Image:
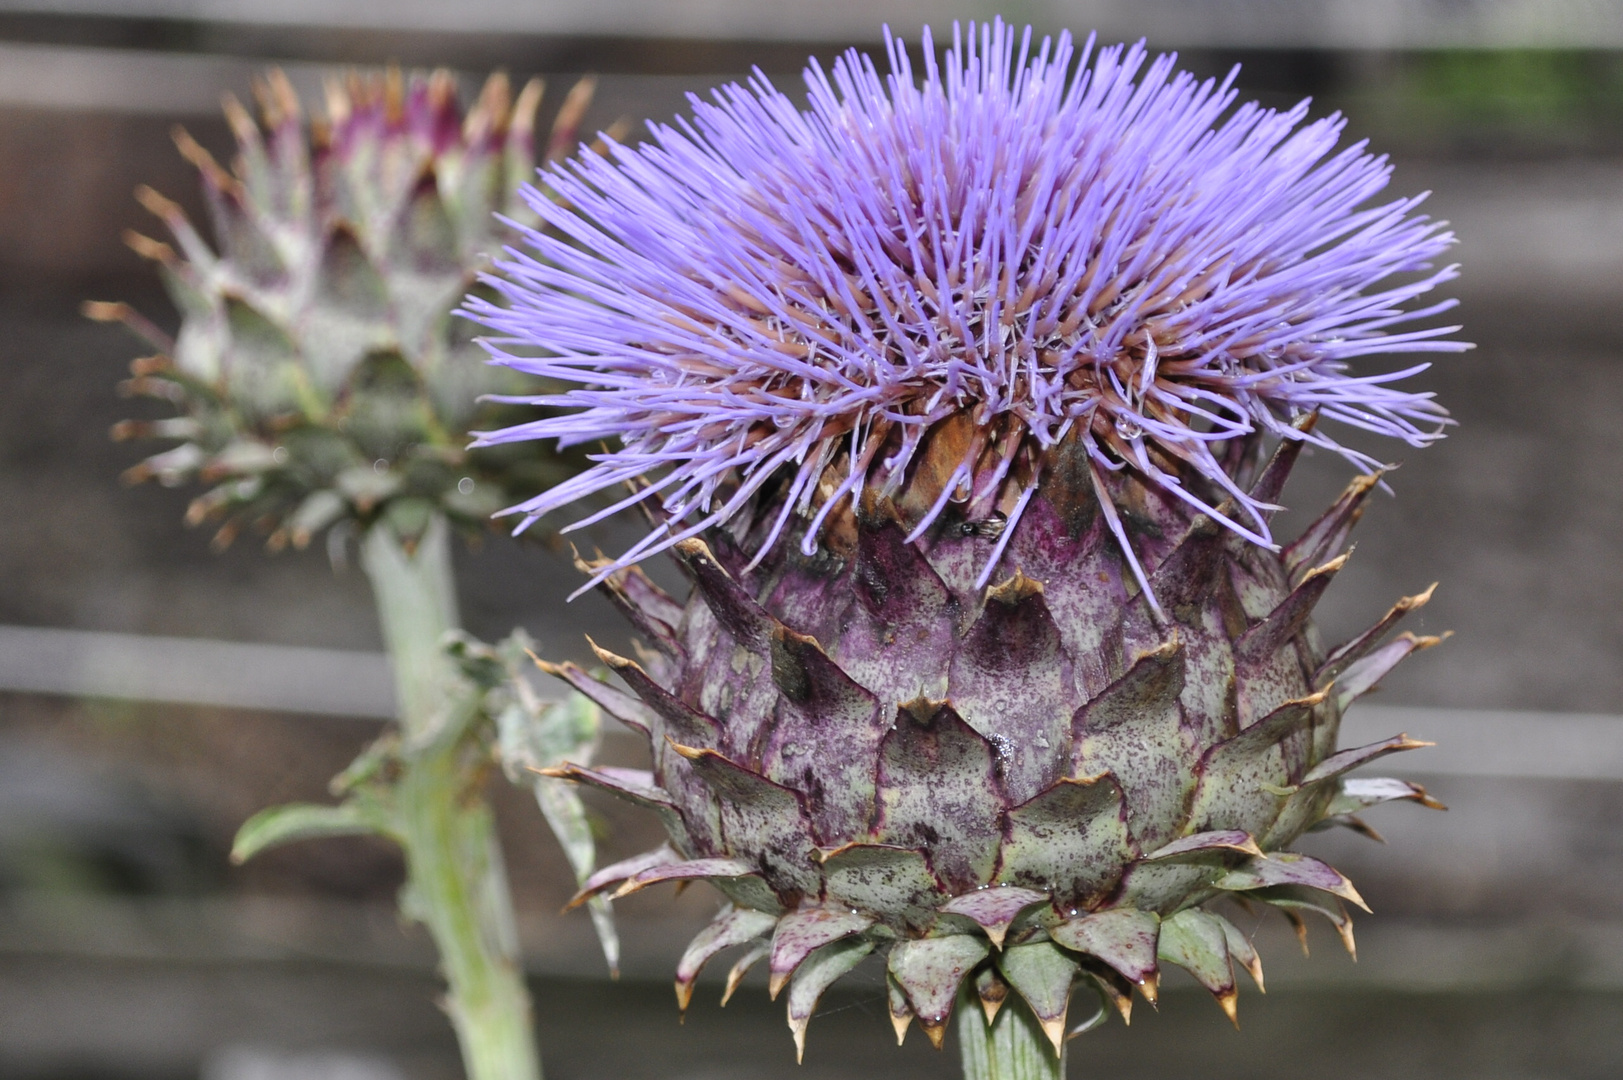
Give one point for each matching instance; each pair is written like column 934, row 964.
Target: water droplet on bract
column 279, row 455
column 380, row 466
column 465, row 485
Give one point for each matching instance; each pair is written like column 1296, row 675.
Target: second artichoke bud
column 320, row 372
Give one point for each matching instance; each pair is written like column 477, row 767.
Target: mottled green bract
column 320, row 373
column 1007, row 791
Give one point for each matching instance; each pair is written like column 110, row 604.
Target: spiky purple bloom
column 1055, row 243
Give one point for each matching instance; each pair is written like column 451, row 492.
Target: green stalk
column 457, row 885
column 1012, row 1048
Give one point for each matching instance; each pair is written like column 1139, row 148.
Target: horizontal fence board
column 334, row 682
column 1328, row 23
column 1547, row 230
column 196, row 671
column 1394, row 954
column 177, row 84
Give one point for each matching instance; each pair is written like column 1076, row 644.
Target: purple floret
column 1060, row 244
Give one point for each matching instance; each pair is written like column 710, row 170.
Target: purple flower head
column 1057, row 245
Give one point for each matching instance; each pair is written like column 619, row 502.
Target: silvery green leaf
column 301, row 821
column 533, row 734
column 566, row 816
column 536, row 734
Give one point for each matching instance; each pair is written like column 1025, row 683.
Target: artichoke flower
column 319, row 371
column 965, row 398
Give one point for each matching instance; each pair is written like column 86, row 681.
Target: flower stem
column 456, row 882
column 1012, row 1048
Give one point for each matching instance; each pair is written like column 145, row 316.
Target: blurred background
column 153, row 694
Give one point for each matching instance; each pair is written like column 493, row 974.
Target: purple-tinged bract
column 1053, row 243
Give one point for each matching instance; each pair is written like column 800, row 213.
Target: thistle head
column 924, row 285
column 319, row 373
